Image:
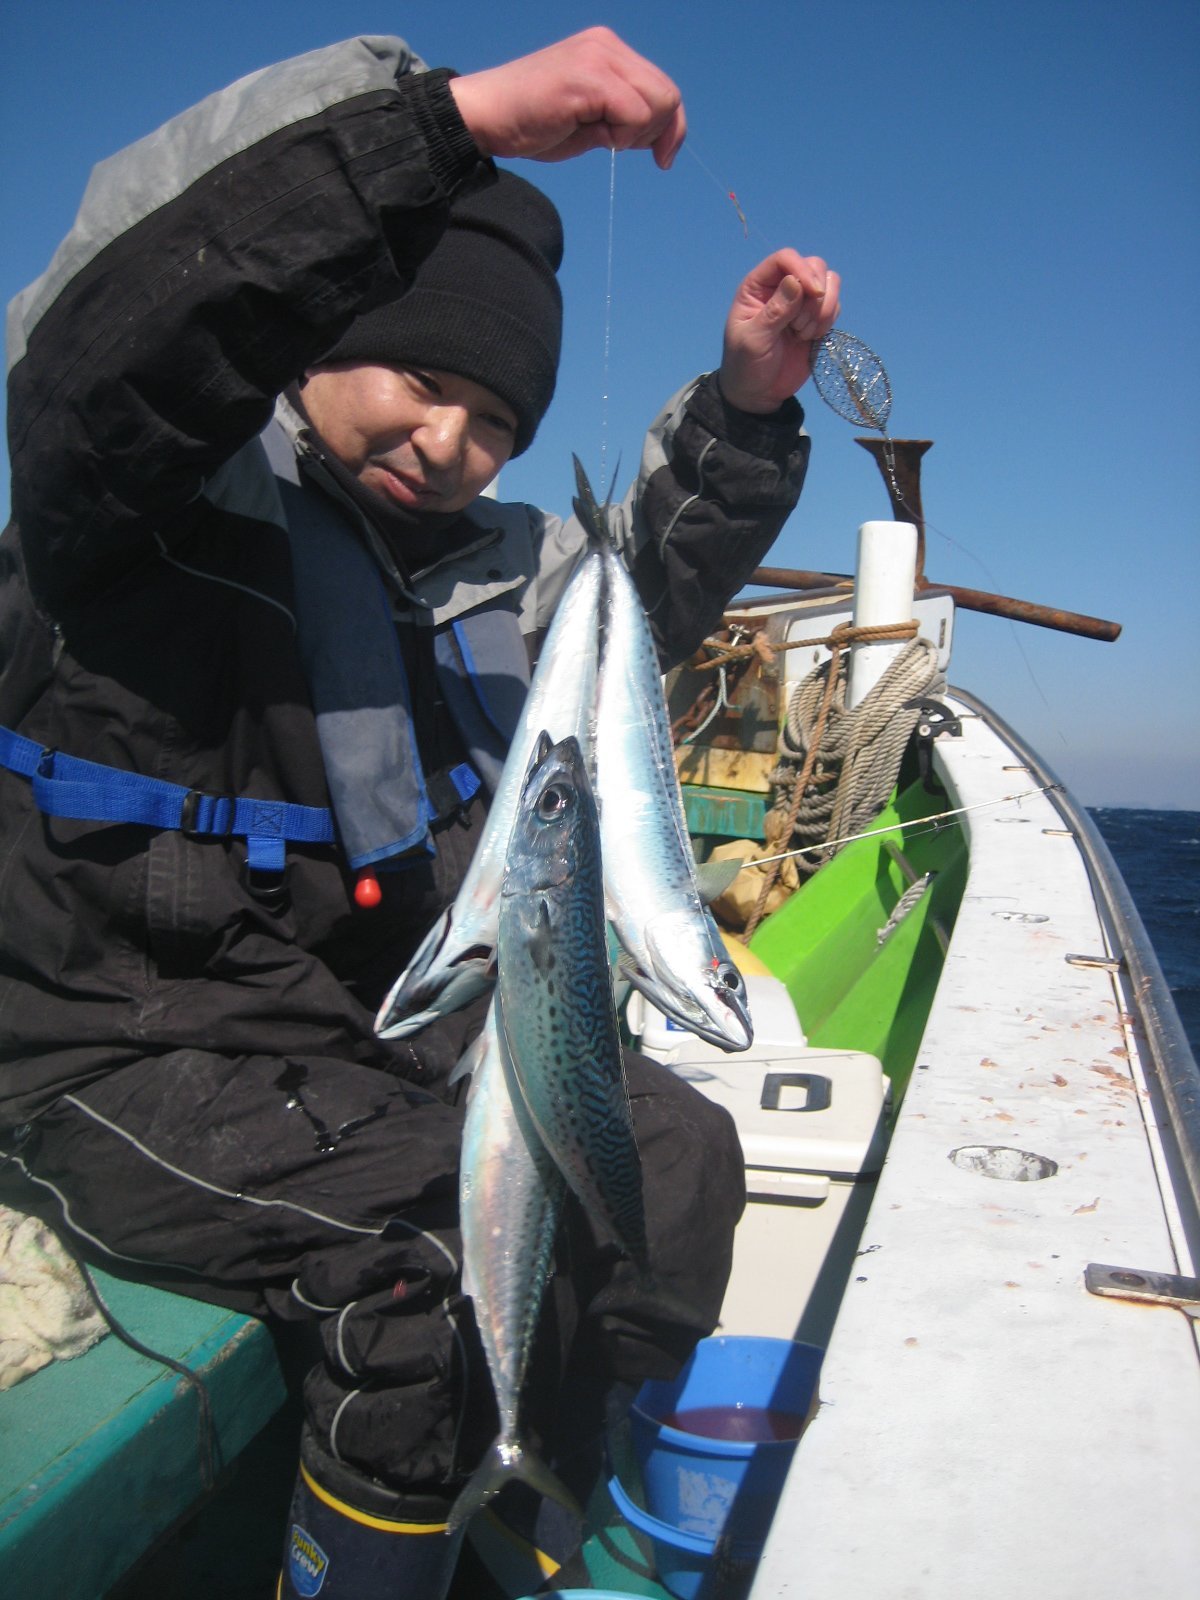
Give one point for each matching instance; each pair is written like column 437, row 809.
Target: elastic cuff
column 453, row 153
column 366, row 1499
column 768, row 435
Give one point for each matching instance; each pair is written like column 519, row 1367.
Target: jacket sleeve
column 714, row 488
column 209, row 265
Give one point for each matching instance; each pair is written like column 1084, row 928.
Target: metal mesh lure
column 851, row 380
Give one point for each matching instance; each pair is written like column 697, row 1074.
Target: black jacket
column 145, row 584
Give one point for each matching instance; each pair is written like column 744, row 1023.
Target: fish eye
column 552, row 802
column 730, row 978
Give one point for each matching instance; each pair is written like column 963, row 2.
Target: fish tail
column 592, row 516
column 506, row 1459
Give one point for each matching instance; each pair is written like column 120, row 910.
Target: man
column 258, row 690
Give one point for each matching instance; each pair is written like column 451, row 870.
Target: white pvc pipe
column 883, row 593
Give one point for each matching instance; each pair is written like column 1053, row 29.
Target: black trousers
column 316, row 1189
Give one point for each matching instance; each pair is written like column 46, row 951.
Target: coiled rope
column 849, row 758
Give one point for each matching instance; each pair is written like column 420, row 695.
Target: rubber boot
column 350, row 1538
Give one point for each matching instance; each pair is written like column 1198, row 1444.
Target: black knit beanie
column 485, row 303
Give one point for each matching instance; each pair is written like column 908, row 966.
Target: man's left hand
column 780, row 309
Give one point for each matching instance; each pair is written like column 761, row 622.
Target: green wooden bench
column 103, row 1456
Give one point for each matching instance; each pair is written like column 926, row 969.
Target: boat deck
column 986, row 1423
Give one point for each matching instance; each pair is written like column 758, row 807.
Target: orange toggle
column 367, row 892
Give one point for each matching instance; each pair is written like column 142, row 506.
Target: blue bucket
column 682, row 1561
column 700, row 1489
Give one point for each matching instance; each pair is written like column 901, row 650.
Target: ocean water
column 1158, row 853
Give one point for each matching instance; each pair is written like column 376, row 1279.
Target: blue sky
column 1011, row 192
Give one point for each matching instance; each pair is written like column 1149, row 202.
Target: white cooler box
column 771, row 1011
column 811, row 1123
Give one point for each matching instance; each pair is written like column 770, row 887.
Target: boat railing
column 1171, row 1061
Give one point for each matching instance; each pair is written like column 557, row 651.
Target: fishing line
column 612, row 195
column 918, row 826
column 728, row 193
column 847, row 374
column 852, row 380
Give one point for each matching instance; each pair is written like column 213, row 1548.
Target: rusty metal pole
column 899, row 463
column 793, row 578
column 995, row 605
column 1002, row 605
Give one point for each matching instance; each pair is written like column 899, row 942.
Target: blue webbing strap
column 65, row 786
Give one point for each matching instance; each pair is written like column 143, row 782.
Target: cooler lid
column 800, row 1109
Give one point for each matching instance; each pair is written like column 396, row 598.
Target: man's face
column 424, row 439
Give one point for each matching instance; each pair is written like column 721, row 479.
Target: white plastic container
column 771, row 1012
column 811, row 1124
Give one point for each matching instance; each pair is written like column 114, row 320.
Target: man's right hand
column 588, row 92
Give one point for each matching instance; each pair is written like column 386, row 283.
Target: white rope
column 860, row 752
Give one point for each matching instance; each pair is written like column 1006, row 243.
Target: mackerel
column 455, row 961
column 510, row 1199
column 673, row 952
column 555, row 1002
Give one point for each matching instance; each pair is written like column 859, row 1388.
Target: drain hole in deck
column 1000, row 1161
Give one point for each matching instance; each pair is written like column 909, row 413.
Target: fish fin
column 714, row 877
column 541, row 938
column 629, row 971
column 507, row 1459
column 661, row 972
column 627, row 966
column 469, row 1059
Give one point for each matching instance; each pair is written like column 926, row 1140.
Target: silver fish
column 455, row 961
column 510, row 1199
column 555, row 1001
column 676, row 957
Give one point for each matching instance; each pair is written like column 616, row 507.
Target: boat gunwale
column 1171, row 1058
